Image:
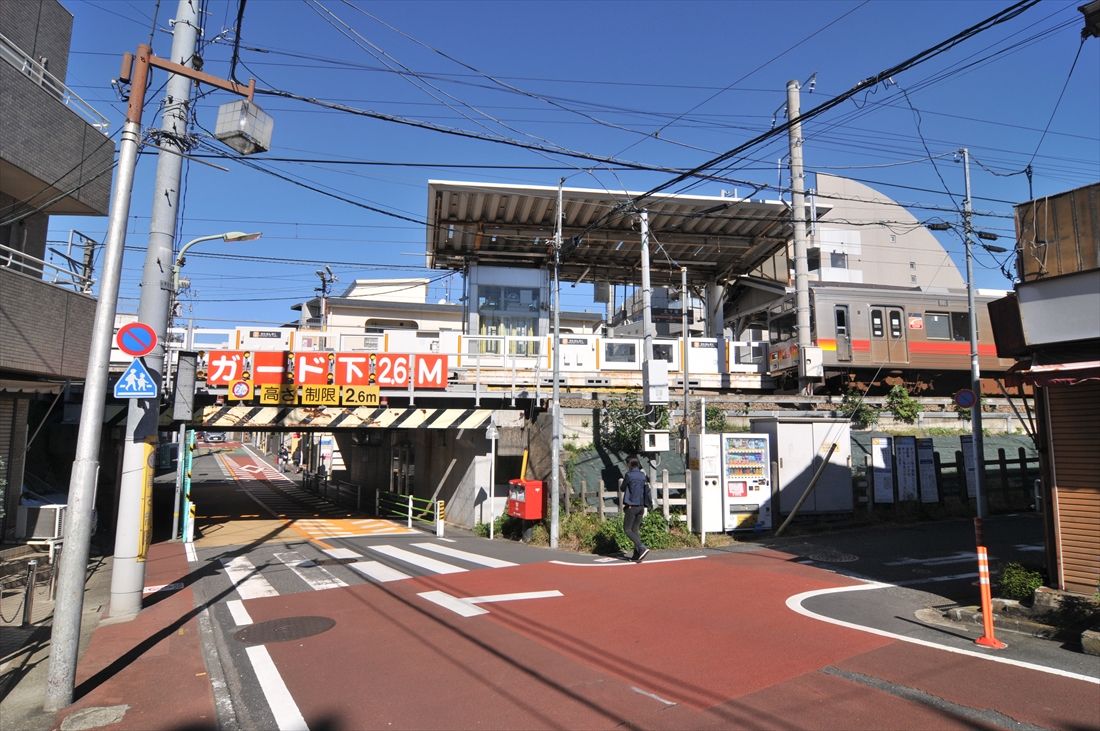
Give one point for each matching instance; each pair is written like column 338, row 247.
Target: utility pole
column 798, row 216
column 65, row 634
column 684, row 332
column 555, row 392
column 245, row 136
column 135, row 502
column 977, row 440
column 327, row 278
column 647, row 311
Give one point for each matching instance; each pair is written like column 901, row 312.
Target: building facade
column 56, row 158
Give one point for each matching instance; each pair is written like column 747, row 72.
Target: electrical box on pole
column 655, row 383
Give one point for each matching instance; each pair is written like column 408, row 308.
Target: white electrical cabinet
column 731, row 482
column 798, row 446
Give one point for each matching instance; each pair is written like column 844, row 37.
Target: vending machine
column 731, row 482
column 746, row 482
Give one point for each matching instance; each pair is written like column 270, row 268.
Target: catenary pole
column 977, row 440
column 684, row 332
column 555, row 396
column 65, row 634
column 647, row 311
column 798, row 217
column 135, row 491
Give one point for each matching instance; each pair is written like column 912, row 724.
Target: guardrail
column 429, row 513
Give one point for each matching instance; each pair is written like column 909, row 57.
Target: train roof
column 715, row 237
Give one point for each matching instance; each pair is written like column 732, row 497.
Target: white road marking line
column 439, row 567
column 189, row 549
column 456, row 605
column 318, row 578
column 342, row 553
column 957, row 557
column 654, row 696
column 794, row 603
column 495, row 563
column 249, row 584
column 236, row 610
column 466, row 606
column 933, row 579
column 378, row 571
column 283, row 708
column 624, row 562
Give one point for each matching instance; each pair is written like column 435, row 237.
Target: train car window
column 662, row 351
column 877, row 327
column 841, row 320
column 782, row 328
column 960, row 326
column 895, row 324
column 619, row 352
column 937, row 326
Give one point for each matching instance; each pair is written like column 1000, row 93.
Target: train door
column 843, row 334
column 888, row 343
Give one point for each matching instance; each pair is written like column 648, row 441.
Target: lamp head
column 235, row 236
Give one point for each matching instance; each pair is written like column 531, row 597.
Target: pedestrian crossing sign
column 136, row 382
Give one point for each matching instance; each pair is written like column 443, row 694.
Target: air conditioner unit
column 40, row 521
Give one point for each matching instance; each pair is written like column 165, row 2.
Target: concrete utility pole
column 245, row 135
column 798, row 216
column 647, row 311
column 143, row 415
column 555, row 396
column 977, row 439
column 65, row 634
column 327, row 278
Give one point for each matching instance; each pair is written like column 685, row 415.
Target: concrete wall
column 44, row 330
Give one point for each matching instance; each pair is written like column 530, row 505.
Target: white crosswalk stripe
column 477, row 558
column 248, row 582
column 431, row 564
column 342, row 566
column 308, row 571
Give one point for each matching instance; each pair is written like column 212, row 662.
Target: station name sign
column 322, row 378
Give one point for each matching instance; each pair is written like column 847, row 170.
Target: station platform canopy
column 715, row 237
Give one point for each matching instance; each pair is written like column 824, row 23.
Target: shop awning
column 9, row 385
column 1054, row 374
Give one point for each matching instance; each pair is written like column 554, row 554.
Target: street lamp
column 230, row 237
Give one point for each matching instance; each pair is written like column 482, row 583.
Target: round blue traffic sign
column 136, row 339
column 965, row 398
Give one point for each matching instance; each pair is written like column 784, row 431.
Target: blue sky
column 595, row 77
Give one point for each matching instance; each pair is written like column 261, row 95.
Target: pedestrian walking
column 284, row 458
column 636, row 498
column 298, row 459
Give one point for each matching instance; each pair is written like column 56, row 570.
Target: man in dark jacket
column 636, row 499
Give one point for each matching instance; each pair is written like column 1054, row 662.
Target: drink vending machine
column 731, row 482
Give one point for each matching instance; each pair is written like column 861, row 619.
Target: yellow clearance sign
column 288, row 395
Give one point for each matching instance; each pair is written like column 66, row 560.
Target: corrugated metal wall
column 1074, row 425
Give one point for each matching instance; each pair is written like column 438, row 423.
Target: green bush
column 481, row 530
column 654, row 530
column 539, row 535
column 1018, row 582
column 622, row 422
column 611, row 538
column 861, row 413
column 904, row 407
column 716, row 419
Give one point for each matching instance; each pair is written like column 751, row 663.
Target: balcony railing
column 63, row 276
column 36, row 72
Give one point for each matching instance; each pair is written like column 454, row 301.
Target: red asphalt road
column 712, row 636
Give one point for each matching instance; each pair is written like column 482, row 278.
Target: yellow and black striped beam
column 333, row 417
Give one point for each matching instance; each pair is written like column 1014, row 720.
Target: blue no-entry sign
column 136, row 339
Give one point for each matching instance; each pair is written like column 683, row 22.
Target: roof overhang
column 715, row 237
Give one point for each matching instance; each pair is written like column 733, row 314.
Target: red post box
column 525, row 499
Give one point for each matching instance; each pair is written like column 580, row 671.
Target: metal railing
column 428, row 513
column 36, row 72
column 23, row 263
